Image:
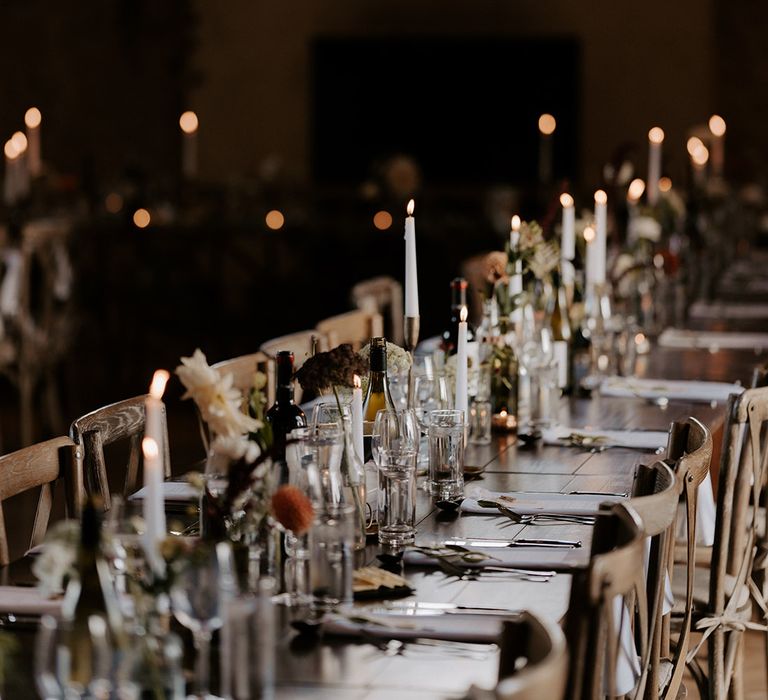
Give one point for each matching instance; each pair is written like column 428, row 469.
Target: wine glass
column 394, row 430
column 537, row 351
column 199, row 595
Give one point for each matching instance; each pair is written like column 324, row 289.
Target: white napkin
column 711, row 340
column 172, row 491
column 706, row 512
column 702, row 309
column 457, row 628
column 635, row 439
column 530, row 503
column 672, row 389
column 627, row 660
column 27, row 600
column 539, row 558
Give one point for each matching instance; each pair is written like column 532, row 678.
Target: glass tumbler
column 480, row 414
column 397, row 497
column 446, row 454
column 332, row 541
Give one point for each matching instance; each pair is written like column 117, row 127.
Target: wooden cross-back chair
column 38, row 323
column 353, row 327
column 41, row 465
column 301, row 344
column 533, row 662
column 655, row 497
column 615, row 572
column 243, row 369
column 124, row 420
column 689, row 454
column 383, row 295
column 726, row 612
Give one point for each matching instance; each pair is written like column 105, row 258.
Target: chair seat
column 701, row 591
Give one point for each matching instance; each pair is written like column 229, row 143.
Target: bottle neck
column 284, row 394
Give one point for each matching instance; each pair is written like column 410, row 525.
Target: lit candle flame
column 547, row 124
column 665, row 184
column 694, row 144
column 356, row 381
column 10, row 150
column 516, row 223
column 19, row 141
column 149, row 448
column 32, row 117
column 409, row 208
column 188, row 122
column 601, row 197
column 635, row 189
column 656, row 135
column 159, row 380
column 463, row 314
column 589, row 234
column 717, row 125
column 566, row 200
column 701, row 156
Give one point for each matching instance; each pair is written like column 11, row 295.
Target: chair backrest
column 533, row 662
column 301, row 344
column 382, row 295
column 353, row 327
column 40, row 465
column 243, row 369
column 124, row 420
column 615, row 572
column 742, row 475
column 689, row 453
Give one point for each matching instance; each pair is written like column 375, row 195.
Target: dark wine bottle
column 90, row 611
column 284, row 415
column 450, row 338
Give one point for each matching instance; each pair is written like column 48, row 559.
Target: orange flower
column 293, row 509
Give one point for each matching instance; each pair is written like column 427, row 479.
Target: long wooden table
column 345, row 669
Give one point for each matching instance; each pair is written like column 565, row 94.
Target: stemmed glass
column 394, row 431
column 199, row 595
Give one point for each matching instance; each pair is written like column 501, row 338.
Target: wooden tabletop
column 344, row 669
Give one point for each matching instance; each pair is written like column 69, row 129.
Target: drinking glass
column 432, row 393
column 394, row 431
column 199, row 595
column 397, row 497
column 331, row 545
column 537, row 352
column 123, row 544
column 480, row 415
column 446, row 454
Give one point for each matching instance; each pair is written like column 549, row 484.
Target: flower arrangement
column 327, row 370
column 398, row 359
column 539, row 256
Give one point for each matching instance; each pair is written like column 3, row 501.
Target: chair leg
column 736, row 687
column 715, row 663
column 26, row 391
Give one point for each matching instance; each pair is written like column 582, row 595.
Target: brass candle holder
column 411, row 340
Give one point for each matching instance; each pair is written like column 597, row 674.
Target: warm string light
column 274, row 219
column 382, row 220
column 547, row 124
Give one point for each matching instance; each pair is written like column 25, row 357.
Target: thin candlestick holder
column 411, row 340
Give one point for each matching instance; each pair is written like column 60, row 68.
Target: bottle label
column 561, row 357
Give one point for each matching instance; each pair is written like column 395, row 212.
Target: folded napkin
column 530, row 503
column 672, row 389
column 27, row 600
column 458, row 628
column 535, row 558
column 172, row 491
column 706, row 512
column 711, row 340
column 635, row 439
column 701, row 309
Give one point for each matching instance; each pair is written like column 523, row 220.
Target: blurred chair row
column 36, row 319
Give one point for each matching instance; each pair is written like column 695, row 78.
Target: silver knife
column 559, row 544
column 517, row 542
